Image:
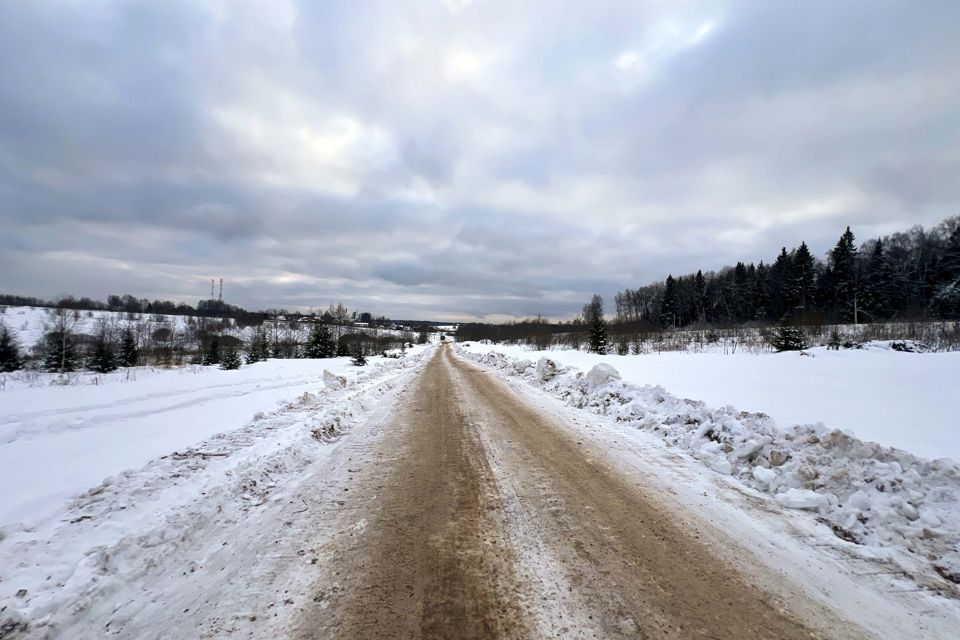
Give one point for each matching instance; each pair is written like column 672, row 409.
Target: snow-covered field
column 900, row 507
column 905, row 400
column 58, row 441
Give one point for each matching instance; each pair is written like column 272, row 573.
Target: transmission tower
column 221, row 290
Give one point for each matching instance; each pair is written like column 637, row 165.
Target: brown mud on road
column 469, row 485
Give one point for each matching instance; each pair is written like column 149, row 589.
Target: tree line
column 115, row 343
column 912, row 275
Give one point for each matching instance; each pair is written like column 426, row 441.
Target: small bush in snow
column 230, row 360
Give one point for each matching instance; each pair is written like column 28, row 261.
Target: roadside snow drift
column 867, row 494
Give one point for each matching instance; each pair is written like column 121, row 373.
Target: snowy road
column 449, row 502
column 483, row 521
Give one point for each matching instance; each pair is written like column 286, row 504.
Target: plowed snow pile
column 904, row 507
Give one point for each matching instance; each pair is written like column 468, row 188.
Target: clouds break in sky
column 458, row 159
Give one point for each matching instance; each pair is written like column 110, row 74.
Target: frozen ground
column 904, row 400
column 58, row 441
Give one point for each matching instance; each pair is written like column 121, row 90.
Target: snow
column 903, row 400
column 125, row 550
column 801, row 499
column 58, row 441
column 868, row 494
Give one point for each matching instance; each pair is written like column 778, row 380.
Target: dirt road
column 482, row 519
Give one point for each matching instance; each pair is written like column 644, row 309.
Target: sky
column 458, row 159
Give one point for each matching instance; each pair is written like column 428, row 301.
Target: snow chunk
column 764, row 475
column 333, row 381
column 546, row 369
column 601, row 374
column 801, row 499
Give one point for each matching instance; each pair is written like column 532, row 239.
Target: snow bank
column 866, row 493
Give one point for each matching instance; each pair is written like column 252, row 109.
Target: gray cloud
column 492, row 160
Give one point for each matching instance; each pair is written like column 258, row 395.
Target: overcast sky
column 457, row 159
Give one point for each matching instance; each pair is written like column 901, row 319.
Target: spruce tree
column 670, row 309
column 230, row 360
column 877, row 283
column 211, row 355
column 103, row 359
column 788, row 338
column 258, row 348
column 803, row 281
column 359, row 359
column 129, row 354
column 342, row 349
column 320, row 344
column 593, row 318
column 10, row 359
column 59, row 352
column 843, row 262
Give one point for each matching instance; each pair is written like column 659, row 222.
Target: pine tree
column 342, row 349
column 320, row 344
column 877, row 283
column 843, row 262
column 803, row 284
column 788, row 338
column 129, row 354
column 670, row 309
column 700, row 296
column 59, row 350
column 103, row 359
column 10, row 359
column 211, row 355
column 359, row 359
column 258, row 348
column 761, row 295
column 593, row 318
column 230, row 360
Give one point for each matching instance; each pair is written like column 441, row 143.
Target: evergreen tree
column 700, row 296
column 803, row 281
column 670, row 309
column 781, row 299
column 761, row 293
column 788, row 338
column 129, row 354
column 230, row 360
column 320, row 344
column 10, row 359
column 103, row 359
column 843, row 262
column 359, row 359
column 211, row 355
column 59, row 348
column 877, row 283
column 258, row 348
column 946, row 297
column 342, row 349
column 593, row 318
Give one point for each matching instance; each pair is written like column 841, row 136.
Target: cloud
column 458, row 159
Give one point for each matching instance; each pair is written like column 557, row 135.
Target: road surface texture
column 483, row 519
